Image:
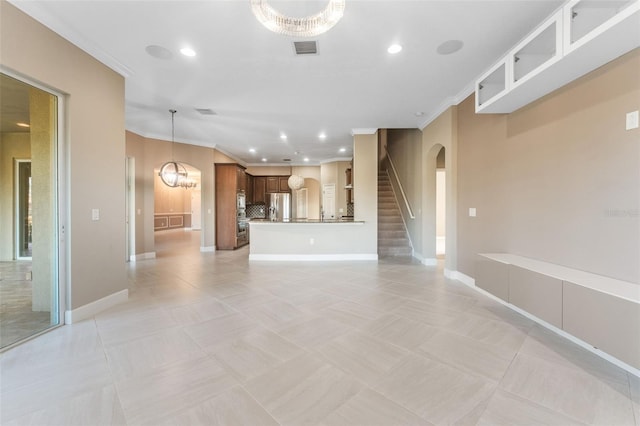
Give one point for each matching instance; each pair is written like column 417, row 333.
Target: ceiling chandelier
column 308, row 26
column 172, row 173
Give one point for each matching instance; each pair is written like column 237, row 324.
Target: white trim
column 312, row 257
column 429, row 261
column 459, row 276
column 142, row 256
column 90, row 309
column 207, row 249
column 364, row 131
column 470, row 282
column 40, row 13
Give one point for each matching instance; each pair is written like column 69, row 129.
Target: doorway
column 30, row 246
column 441, row 202
column 329, row 201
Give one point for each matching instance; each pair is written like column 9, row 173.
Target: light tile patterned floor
column 213, row 339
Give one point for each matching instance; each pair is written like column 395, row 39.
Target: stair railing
column 397, row 179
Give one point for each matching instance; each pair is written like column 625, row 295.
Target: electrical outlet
column 632, row 120
column 95, row 214
column 472, row 212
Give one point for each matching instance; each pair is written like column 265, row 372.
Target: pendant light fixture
column 173, row 173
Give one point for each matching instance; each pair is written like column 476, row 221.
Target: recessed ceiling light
column 419, row 113
column 187, row 51
column 264, row 160
column 322, row 135
column 394, row 48
column 449, row 47
column 283, row 136
column 343, row 149
column 23, row 125
column 306, row 160
column 252, row 150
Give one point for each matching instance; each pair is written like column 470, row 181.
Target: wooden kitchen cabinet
column 249, row 188
column 283, row 184
column 349, row 185
column 230, row 180
column 259, row 189
column 241, row 179
column 273, row 184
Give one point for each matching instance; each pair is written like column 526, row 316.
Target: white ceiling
column 259, row 88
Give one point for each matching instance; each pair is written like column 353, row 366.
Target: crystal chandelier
column 308, row 26
column 172, row 172
column 186, row 183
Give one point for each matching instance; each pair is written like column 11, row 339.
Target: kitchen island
column 309, row 239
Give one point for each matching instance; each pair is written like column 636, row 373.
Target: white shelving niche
column 492, row 85
column 582, row 36
column 538, row 51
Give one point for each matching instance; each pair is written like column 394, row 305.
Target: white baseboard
column 465, row 279
column 459, row 276
column 142, row 256
column 429, row 262
column 207, row 249
column 311, row 257
column 90, row 309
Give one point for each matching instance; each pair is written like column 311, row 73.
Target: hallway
column 209, row 338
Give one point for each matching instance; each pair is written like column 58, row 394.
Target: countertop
column 306, row 221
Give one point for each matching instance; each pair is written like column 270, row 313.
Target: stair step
column 394, row 251
column 398, row 233
column 393, row 240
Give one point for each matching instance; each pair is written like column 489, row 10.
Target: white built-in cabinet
column 598, row 310
column 580, row 37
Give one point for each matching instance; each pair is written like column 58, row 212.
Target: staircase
column 392, row 234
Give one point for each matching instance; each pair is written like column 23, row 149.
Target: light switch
column 632, row 120
column 139, row 212
column 472, row 212
column 95, row 214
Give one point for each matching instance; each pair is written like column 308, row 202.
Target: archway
column 433, row 204
column 177, row 218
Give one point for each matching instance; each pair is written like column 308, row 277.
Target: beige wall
column 365, row 187
column 558, row 180
column 94, row 142
column 269, row 170
column 170, row 200
column 12, row 146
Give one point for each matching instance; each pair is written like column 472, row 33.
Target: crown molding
column 364, row 131
column 37, row 11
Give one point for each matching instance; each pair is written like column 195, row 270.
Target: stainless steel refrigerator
column 279, row 207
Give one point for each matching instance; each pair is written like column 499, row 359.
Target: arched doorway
column 441, row 204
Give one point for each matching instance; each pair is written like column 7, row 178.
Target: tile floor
column 17, row 318
column 213, row 339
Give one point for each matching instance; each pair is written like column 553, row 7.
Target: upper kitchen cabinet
column 241, row 179
column 259, row 189
column 580, row 37
column 283, row 184
column 277, row 184
column 249, row 188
